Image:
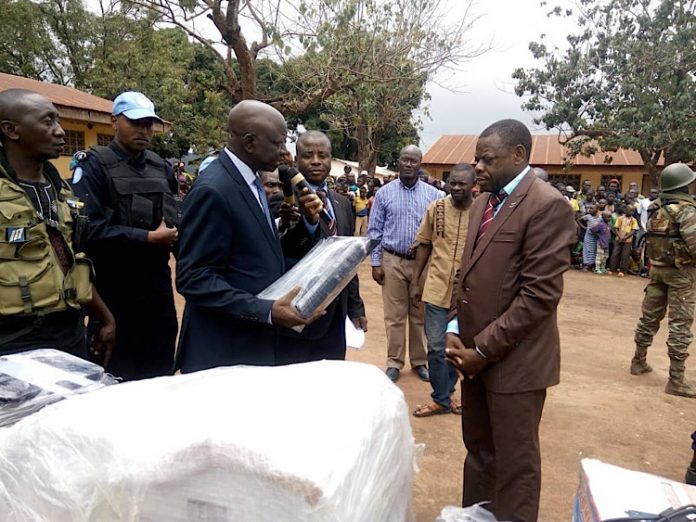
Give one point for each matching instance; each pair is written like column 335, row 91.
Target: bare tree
column 324, row 47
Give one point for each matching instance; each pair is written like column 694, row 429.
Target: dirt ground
column 598, row 411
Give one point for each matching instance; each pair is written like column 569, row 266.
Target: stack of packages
column 609, row 492
column 34, row 379
column 324, row 441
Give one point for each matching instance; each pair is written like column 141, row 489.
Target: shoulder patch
column 77, row 175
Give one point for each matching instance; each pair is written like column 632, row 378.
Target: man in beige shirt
column 440, row 240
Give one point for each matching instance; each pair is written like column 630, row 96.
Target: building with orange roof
column 86, row 118
column 547, row 153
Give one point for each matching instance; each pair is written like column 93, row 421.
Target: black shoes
column 393, row 374
column 422, row 373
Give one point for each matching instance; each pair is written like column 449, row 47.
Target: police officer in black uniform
column 45, row 278
column 130, row 194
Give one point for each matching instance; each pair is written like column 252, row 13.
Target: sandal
column 430, row 409
column 456, row 407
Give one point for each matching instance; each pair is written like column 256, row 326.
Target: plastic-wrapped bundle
column 475, row 513
column 324, row 441
column 31, row 380
column 322, row 273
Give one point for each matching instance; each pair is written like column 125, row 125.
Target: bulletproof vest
column 665, row 246
column 142, row 197
column 32, row 281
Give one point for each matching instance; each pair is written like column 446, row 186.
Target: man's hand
column 378, row 275
column 163, row 235
column 103, row 341
column 310, row 206
column 360, row 323
column 283, row 313
column 466, row 361
column 289, row 215
column 286, row 158
column 414, row 293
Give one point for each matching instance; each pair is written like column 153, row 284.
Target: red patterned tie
column 493, row 201
column 333, row 230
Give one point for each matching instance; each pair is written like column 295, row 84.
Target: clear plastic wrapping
column 326, row 441
column 322, row 273
column 33, row 379
column 475, row 513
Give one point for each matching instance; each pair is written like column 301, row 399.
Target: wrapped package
column 31, row 380
column 475, row 513
column 322, row 273
column 323, row 441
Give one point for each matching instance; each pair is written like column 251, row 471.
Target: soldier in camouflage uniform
column 671, row 246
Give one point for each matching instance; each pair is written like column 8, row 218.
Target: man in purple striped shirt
column 394, row 220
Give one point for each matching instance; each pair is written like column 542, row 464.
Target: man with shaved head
column 394, row 220
column 230, row 249
column 46, row 278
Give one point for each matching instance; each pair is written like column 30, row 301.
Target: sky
column 486, row 93
column 484, row 86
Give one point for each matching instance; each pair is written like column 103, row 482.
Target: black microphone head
column 285, row 172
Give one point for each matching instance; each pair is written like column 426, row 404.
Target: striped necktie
column 324, row 199
column 493, row 202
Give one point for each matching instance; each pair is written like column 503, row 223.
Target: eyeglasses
column 407, row 161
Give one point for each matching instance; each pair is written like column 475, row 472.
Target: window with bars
column 104, row 139
column 74, row 141
column 567, row 179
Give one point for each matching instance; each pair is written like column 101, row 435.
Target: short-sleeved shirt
column 360, row 205
column 625, row 225
column 590, row 220
column 444, row 227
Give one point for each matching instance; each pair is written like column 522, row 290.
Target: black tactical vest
column 142, row 197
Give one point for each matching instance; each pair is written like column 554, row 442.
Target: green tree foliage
column 365, row 62
column 44, row 40
column 183, row 80
column 121, row 49
column 389, row 50
column 359, row 66
column 626, row 79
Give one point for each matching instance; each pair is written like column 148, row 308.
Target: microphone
column 288, row 192
column 294, row 178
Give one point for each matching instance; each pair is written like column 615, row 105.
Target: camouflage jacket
column 672, row 230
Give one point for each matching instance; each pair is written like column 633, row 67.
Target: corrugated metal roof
column 58, row 94
column 452, row 149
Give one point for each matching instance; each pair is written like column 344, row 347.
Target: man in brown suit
column 504, row 340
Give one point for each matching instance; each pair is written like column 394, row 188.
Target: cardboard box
column 608, row 492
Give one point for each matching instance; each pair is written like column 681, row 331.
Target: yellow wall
column 63, row 162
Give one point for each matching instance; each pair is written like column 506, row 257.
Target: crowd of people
column 470, row 285
column 611, row 227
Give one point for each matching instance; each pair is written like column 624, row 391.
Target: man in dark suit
column 229, row 249
column 504, row 340
column 326, row 338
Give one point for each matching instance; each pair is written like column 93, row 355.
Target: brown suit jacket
column 510, row 284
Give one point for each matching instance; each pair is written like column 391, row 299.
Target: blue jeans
column 443, row 378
